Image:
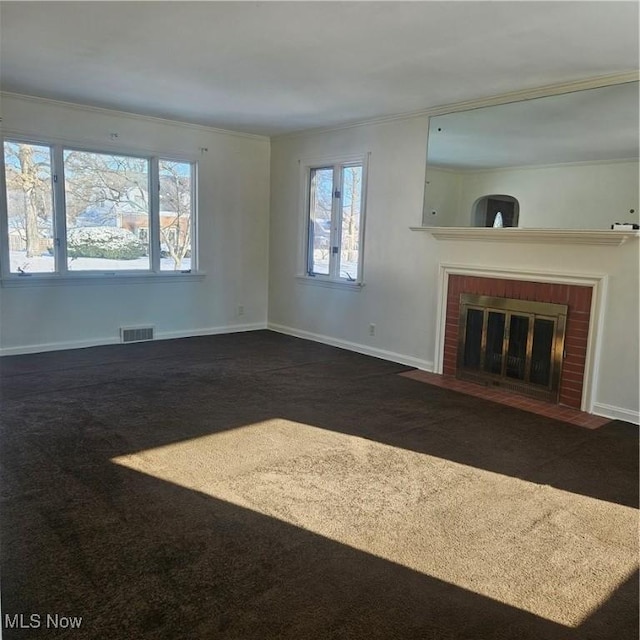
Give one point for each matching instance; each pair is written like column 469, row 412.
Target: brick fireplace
column 578, row 299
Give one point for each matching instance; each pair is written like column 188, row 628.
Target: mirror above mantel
column 568, row 160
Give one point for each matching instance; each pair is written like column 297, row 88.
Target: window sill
column 330, row 284
column 48, row 280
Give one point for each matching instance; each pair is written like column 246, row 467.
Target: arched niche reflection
column 495, row 210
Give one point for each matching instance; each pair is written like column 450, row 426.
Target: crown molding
column 132, row 116
column 538, row 92
column 476, row 103
column 528, row 167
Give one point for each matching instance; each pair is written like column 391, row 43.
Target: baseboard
column 616, row 413
column 367, row 350
column 211, row 331
column 57, row 346
column 99, row 342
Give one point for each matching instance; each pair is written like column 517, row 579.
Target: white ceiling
column 275, row 67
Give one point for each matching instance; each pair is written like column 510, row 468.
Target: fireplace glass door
column 513, row 343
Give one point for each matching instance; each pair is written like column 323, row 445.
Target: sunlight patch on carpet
column 553, row 553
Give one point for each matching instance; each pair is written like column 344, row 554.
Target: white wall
column 401, row 266
column 233, row 211
column 399, row 289
column 574, row 196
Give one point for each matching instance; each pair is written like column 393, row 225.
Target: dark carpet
column 98, row 524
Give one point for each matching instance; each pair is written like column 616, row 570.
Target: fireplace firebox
column 517, row 344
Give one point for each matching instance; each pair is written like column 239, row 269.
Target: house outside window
column 334, row 217
column 73, row 210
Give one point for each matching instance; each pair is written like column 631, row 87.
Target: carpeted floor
column 256, row 486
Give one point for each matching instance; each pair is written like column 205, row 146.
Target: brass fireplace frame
column 557, row 313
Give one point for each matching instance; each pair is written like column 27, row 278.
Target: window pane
column 320, row 200
column 175, row 215
column 29, row 207
column 107, row 211
column 350, row 240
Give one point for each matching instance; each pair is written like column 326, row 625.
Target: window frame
column 61, row 273
column 337, row 164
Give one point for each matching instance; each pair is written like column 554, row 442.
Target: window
column 106, row 199
column 72, row 210
column 29, row 195
column 335, row 220
column 176, row 197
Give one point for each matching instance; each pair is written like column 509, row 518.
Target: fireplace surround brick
column 576, row 297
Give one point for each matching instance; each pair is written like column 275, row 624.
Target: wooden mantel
column 519, row 234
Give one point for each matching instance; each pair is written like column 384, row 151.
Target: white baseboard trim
column 616, row 413
column 211, row 331
column 56, row 346
column 99, row 342
column 366, row 350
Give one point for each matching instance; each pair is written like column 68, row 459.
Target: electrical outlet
column 240, row 309
column 372, row 329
